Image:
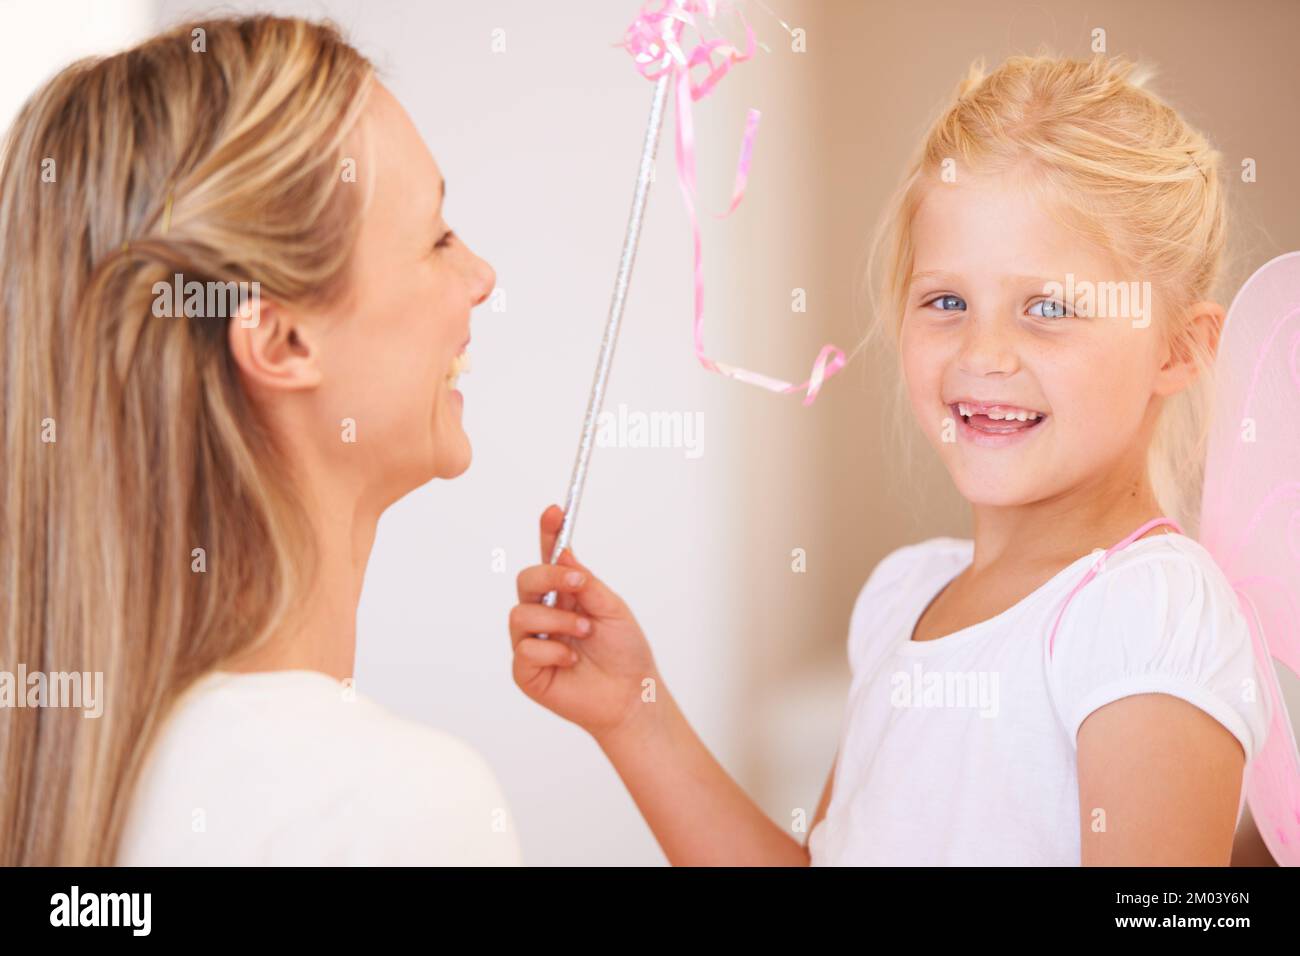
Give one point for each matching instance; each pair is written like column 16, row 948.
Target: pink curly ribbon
column 654, row 40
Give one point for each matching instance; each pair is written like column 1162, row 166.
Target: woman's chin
column 458, row 468
column 454, row 456
column 450, row 443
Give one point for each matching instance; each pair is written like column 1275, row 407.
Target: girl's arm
column 597, row 671
column 699, row 814
column 1159, row 784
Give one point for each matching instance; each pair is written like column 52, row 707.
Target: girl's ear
column 1200, row 335
column 273, row 348
column 1208, row 322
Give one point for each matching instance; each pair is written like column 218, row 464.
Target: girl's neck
column 1056, row 531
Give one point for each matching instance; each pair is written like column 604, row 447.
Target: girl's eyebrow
column 941, row 274
column 929, row 274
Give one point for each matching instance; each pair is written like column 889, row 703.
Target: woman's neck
column 323, row 633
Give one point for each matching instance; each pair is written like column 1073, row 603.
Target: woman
column 189, row 502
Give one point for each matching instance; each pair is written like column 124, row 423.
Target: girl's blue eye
column 950, row 303
column 1052, row 309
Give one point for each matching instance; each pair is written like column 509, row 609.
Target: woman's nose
column 483, row 278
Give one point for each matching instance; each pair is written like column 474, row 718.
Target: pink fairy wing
column 1250, row 516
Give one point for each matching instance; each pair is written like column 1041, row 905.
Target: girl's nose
column 988, row 347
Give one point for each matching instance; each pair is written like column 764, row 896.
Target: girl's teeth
column 998, row 415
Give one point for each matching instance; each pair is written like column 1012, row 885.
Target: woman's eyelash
column 445, row 240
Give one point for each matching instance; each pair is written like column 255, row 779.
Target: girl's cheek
column 923, row 359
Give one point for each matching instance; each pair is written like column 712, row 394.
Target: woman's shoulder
column 296, row 767
column 307, row 717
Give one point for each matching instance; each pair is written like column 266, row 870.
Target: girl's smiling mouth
column 994, row 424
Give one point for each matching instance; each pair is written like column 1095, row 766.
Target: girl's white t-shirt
column 294, row 768
column 962, row 750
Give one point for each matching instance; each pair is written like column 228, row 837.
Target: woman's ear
column 273, row 348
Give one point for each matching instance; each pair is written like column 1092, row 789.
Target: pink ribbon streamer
column 654, row 40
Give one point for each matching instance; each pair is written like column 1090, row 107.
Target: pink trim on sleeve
column 1092, row 572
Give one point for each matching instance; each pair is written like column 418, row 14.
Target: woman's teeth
column 459, row 365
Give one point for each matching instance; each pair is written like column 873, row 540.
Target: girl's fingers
column 536, row 581
column 589, row 592
column 552, row 521
column 594, row 597
column 538, row 653
column 529, row 619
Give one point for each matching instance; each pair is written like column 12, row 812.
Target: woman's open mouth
column 459, row 366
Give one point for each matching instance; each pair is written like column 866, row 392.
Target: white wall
column 39, row 39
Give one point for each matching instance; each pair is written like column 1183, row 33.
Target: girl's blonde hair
column 212, row 151
column 1123, row 170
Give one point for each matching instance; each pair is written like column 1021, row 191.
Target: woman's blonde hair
column 1115, row 164
column 213, row 151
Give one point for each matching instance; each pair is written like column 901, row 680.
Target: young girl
column 1076, row 684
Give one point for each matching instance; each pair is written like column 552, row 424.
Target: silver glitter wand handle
column 610, row 339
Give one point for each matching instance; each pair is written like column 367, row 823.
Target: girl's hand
column 596, row 678
column 592, row 667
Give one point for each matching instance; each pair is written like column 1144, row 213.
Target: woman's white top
column 295, row 768
column 962, row 750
